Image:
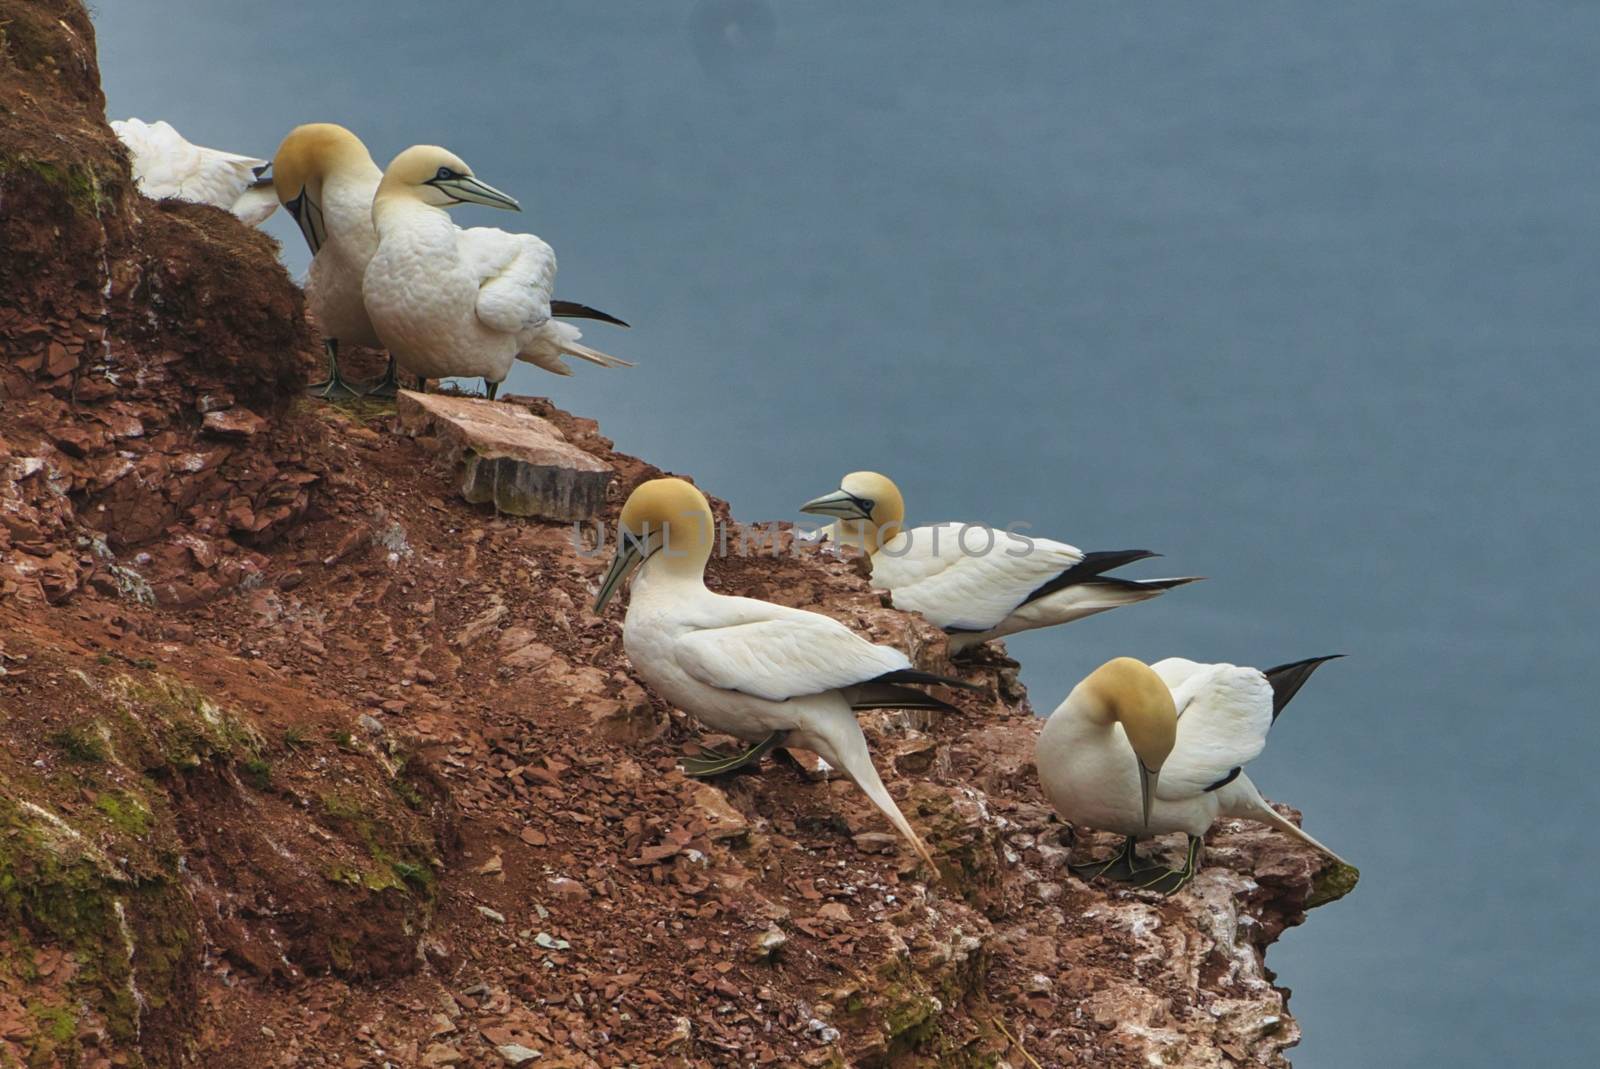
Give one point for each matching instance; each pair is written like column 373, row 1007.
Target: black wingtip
column 889, row 696
column 574, row 310
column 1090, row 568
column 1287, row 679
column 926, row 679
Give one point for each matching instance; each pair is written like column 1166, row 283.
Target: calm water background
column 1303, row 295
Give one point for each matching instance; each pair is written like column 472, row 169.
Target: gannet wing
column 516, row 273
column 952, row 574
column 1224, row 713
column 787, row 657
column 166, row 164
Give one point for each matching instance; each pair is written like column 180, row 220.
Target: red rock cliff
column 306, row 761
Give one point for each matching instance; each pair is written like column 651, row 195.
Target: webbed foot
column 716, row 762
column 386, row 387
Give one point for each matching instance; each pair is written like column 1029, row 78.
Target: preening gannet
column 165, row 164
column 1147, row 750
column 326, row 180
column 975, row 582
column 452, row 302
column 763, row 673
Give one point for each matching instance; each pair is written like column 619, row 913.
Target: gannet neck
column 400, row 207
column 1128, row 692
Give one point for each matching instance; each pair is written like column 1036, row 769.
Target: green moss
column 187, row 726
column 257, row 773
column 77, row 181
column 80, row 744
column 56, row 1023
column 56, row 883
column 409, row 794
column 1332, row 884
column 125, row 813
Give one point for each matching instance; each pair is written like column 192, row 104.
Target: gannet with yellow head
column 761, row 672
column 1148, row 750
column 166, row 164
column 976, row 582
column 325, row 179
column 451, row 302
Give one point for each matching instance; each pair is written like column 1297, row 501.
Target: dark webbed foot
column 387, row 386
column 1119, row 866
column 1126, row 867
column 716, row 762
column 333, row 388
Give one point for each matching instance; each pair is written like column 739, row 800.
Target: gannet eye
column 444, row 172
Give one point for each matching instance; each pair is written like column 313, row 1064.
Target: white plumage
column 741, row 666
column 977, row 583
column 165, row 164
column 1090, row 771
column 453, row 302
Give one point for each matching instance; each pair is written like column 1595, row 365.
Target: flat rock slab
column 518, row 461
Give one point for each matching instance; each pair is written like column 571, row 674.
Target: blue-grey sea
column 1304, row 295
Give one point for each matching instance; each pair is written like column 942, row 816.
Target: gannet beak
column 1147, row 788
column 309, row 217
column 469, row 190
column 629, row 556
column 840, row 503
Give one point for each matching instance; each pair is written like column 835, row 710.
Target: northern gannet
column 763, row 673
column 326, row 180
column 1147, row 750
column 165, row 164
column 975, row 582
column 451, row 302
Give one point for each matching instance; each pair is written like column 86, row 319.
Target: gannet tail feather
column 594, row 356
column 1139, row 589
column 839, row 741
column 1240, row 799
column 1287, row 679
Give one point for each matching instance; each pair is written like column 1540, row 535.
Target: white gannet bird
column 326, row 179
column 1147, row 750
column 451, row 302
column 165, row 164
column 761, row 672
column 975, row 582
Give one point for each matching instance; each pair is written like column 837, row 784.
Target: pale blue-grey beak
column 841, row 504
column 630, row 554
column 469, row 190
column 1147, row 788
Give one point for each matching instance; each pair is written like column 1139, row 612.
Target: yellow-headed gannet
column 326, row 180
column 1147, row 750
column 165, row 164
column 763, row 673
column 975, row 582
column 451, row 302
